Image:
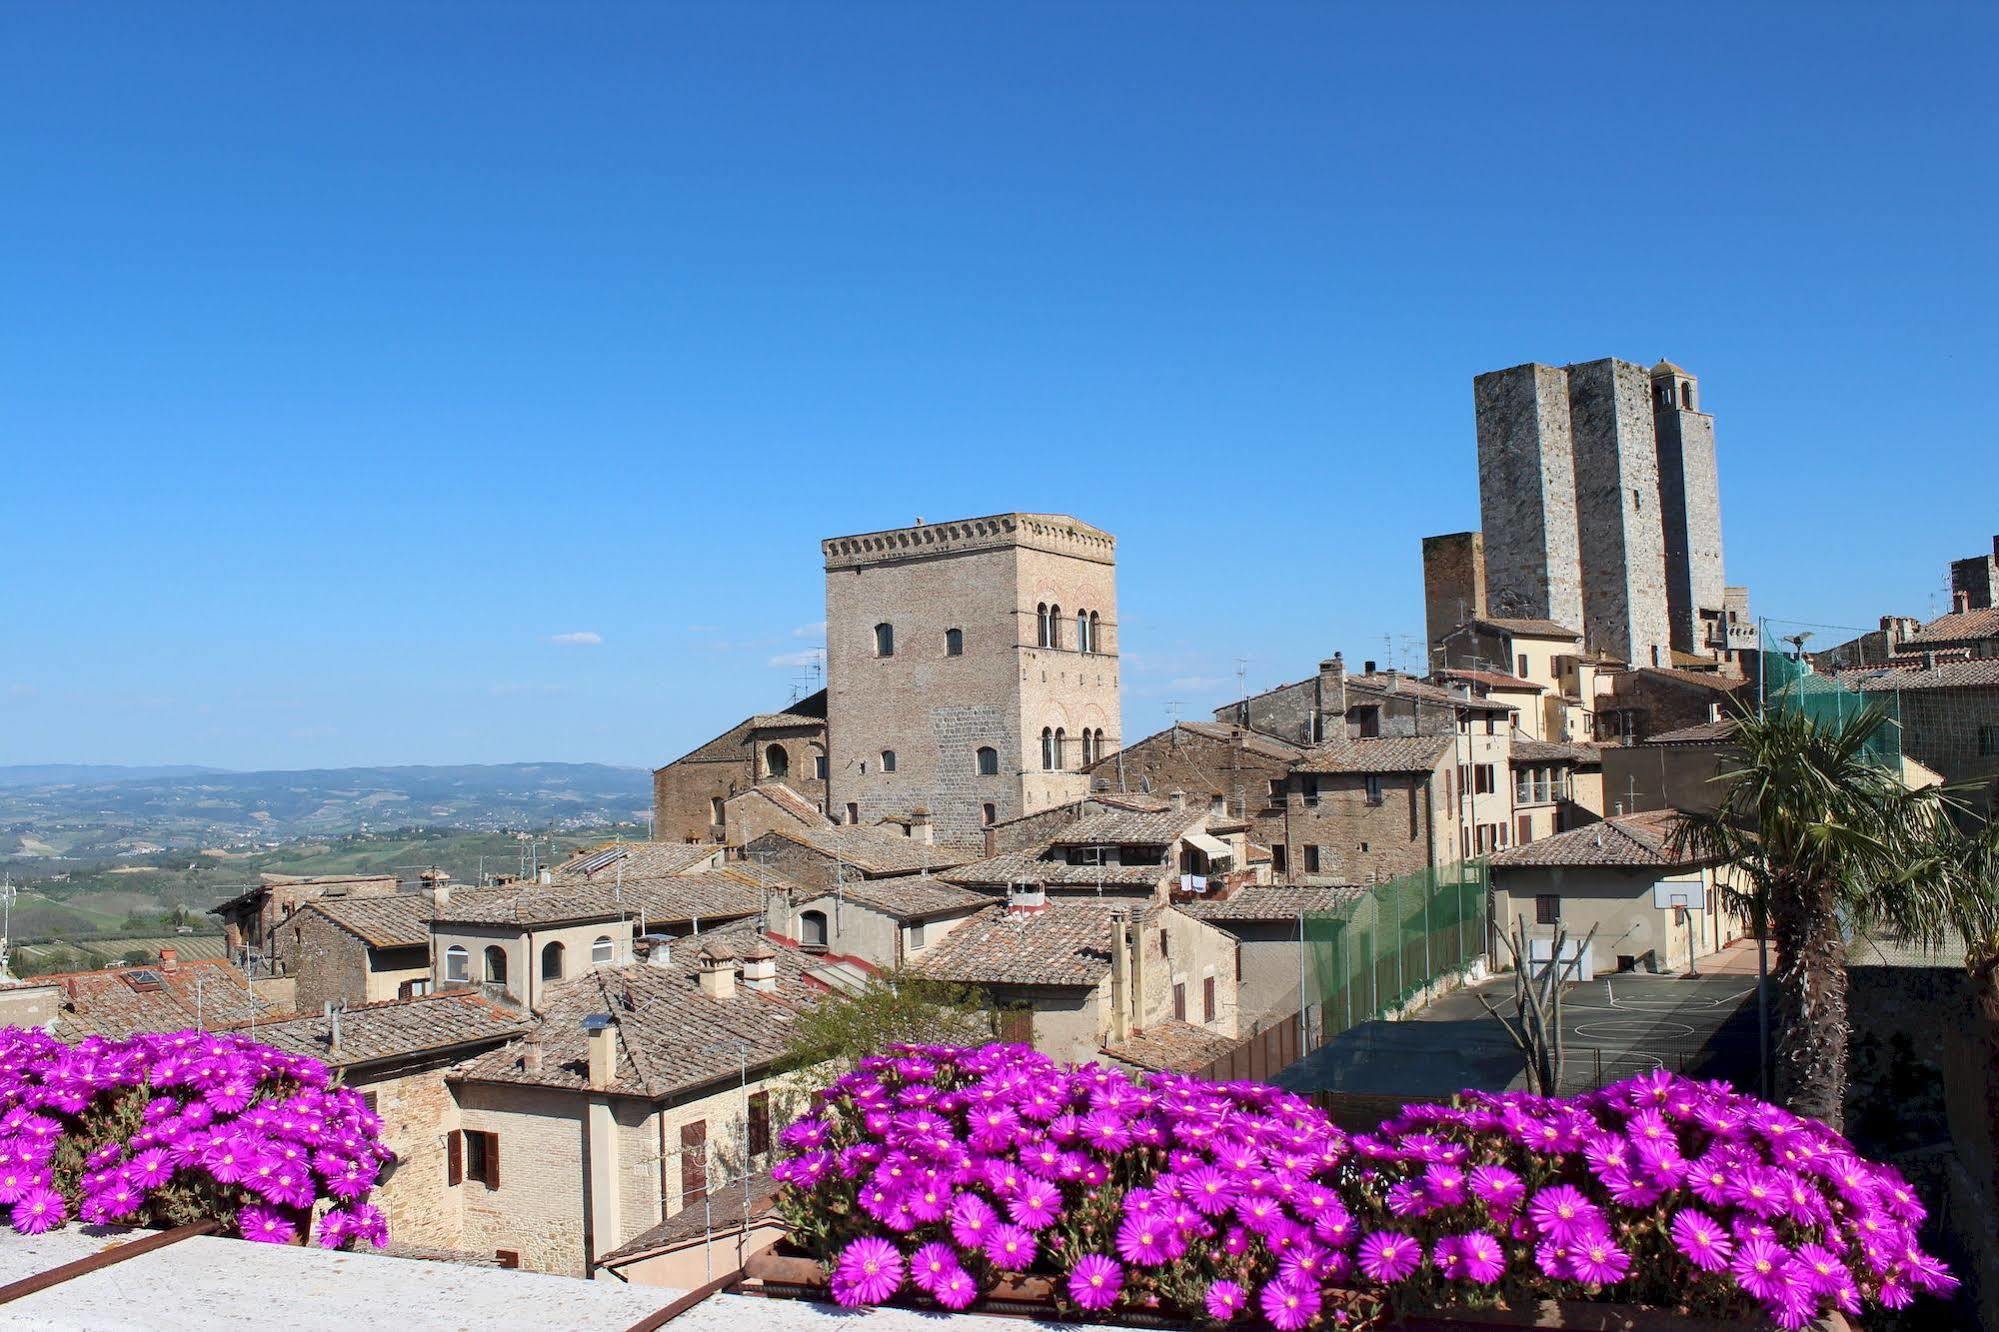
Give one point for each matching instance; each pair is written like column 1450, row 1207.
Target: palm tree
column 1824, row 838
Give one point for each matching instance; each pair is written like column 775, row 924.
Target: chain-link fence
column 1790, row 683
column 1370, row 956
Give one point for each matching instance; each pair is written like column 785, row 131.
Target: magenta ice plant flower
column 1095, row 1282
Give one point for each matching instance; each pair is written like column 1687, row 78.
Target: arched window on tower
column 1089, row 749
column 988, row 761
column 954, row 642
column 1096, row 640
column 1083, row 643
column 1061, row 745
column 1098, row 747
column 1054, row 626
column 888, row 760
column 777, row 763
column 1041, row 625
column 1047, row 749
column 884, row 640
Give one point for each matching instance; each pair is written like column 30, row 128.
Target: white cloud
column 814, row 630
column 581, row 638
column 809, row 657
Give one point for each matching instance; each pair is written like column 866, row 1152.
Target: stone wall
column 1620, row 533
column 1360, row 842
column 684, row 791
column 1453, row 582
column 1203, row 767
column 1690, row 511
column 326, row 962
column 417, row 1113
column 1527, row 494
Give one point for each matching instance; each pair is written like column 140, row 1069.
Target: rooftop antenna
column 1173, row 710
column 1242, row 679
column 8, row 892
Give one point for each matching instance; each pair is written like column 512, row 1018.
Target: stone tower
column 971, row 668
column 1619, row 532
column 1689, row 504
column 1527, row 495
column 1453, row 582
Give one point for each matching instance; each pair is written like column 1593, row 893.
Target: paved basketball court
column 1613, row 1027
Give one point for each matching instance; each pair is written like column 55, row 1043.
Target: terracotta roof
column 1130, row 828
column 1554, row 751
column 721, row 1212
column 911, row 897
column 124, row 1001
column 732, row 746
column 1382, row 754
column 670, row 1037
column 1528, row 628
column 1172, row 1046
column 398, row 1028
column 1258, row 902
column 397, row 920
column 1063, row 944
column 728, row 893
column 637, row 860
column 1635, row 840
column 1701, row 733
column 1983, row 674
column 1394, row 684
column 792, row 803
column 1255, row 742
column 876, row 850
column 1031, row 866
column 1712, row 680
column 1957, row 627
column 1494, row 680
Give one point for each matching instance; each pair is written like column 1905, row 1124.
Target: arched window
column 812, row 929
column 991, row 813
column 1047, row 749
column 1061, row 746
column 457, row 964
column 716, row 814
column 1083, row 643
column 551, row 961
column 1054, row 626
column 1098, row 747
column 602, row 950
column 1041, row 625
column 853, row 812
column 988, row 761
column 1096, row 643
column 496, row 964
column 954, row 642
column 777, row 763
column 888, row 760
column 884, row 640
column 1089, row 749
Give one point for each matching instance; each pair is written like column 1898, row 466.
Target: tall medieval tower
column 1689, row 504
column 971, row 668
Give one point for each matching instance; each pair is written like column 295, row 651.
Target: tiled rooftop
column 1554, row 751
column 1957, row 627
column 1527, row 628
column 125, row 1001
column 400, row 1027
column 1983, row 674
column 1254, row 742
column 1633, row 840
column 1386, row 754
column 1030, row 866
column 910, row 897
column 1264, row 902
column 1701, row 733
column 638, row 860
column 396, row 920
column 877, row 850
column 729, row 893
column 1062, row 944
column 1130, row 828
column 1494, row 680
column 1172, row 1047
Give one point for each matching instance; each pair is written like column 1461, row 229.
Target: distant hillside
column 52, row 774
column 131, row 814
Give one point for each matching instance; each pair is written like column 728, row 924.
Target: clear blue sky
column 350, row 355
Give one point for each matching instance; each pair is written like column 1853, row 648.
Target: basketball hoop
column 1679, row 914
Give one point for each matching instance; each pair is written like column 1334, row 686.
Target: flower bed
column 940, row 1174
column 164, row 1130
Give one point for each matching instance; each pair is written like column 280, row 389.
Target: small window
column 888, row 760
column 716, row 814
column 1308, row 786
column 1372, row 781
column 954, row 642
column 1048, row 749
column 1180, row 1001
column 1096, row 642
column 990, row 813
column 1277, row 858
column 1491, row 725
column 819, row 766
column 1041, row 625
column 1311, row 860
column 812, row 929
column 1547, row 909
column 1276, row 790
column 457, row 964
column 916, row 934
column 1098, row 747
column 777, row 763
column 988, row 761
column 602, row 950
column 1218, row 804
column 496, row 964
column 884, row 640
column 1061, row 747
column 1521, row 667
column 1207, row 999
column 473, row 1155
column 551, row 962
column 1165, row 944
column 1083, row 643
column 1055, row 626
column 759, row 1126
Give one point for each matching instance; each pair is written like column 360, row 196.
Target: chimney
column 1122, row 977
column 718, row 971
column 531, row 1054
column 440, row 896
column 1367, row 668
column 658, row 949
column 1024, row 897
column 545, row 877
column 169, row 959
column 760, row 967
column 1960, row 601
column 1179, row 799
column 333, row 1010
column 919, row 826
column 599, row 1038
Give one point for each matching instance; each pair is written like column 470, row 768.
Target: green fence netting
column 1789, row 683
column 1373, row 954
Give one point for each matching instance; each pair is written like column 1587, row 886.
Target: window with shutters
column 1547, row 909
column 473, row 1155
column 1016, row 1025
column 759, row 1123
column 1372, row 783
column 988, row 761
column 1180, row 1001
column 1207, row 998
column 693, row 1162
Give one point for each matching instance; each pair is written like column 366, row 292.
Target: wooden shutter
column 1180, row 1000
column 759, row 1123
column 1016, row 1026
column 492, row 1160
column 454, row 1157
column 1207, row 998
column 693, row 1162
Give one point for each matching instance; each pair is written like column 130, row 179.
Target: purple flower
column 39, row 1209
column 1209, row 1190
column 1596, row 1258
column 1010, row 1248
column 1387, row 1256
column 265, row 1225
column 1036, row 1203
column 1701, row 1240
column 928, row 1265
column 1561, row 1212
column 869, row 1271
column 955, row 1289
column 1142, row 1239
column 1762, row 1268
column 1289, row 1305
column 1225, row 1299
column 1497, row 1186
column 1474, row 1257
column 1095, row 1282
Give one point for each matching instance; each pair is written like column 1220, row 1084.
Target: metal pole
column 1763, row 993
column 1304, row 1003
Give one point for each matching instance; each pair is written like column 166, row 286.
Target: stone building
column 883, row 924
column 1974, row 582
column 1166, row 852
column 1266, row 922
column 250, row 920
column 690, row 795
column 1372, row 704
column 1646, row 700
column 1966, row 634
column 1077, row 979
column 1219, row 766
column 1359, row 811
column 395, row 1054
column 1601, row 510
column 822, row 858
column 1949, row 713
column 359, row 950
column 971, row 668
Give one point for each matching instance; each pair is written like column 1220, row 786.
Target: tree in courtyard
column 1826, row 839
column 893, row 1008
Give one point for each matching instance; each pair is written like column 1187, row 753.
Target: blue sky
column 351, row 356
